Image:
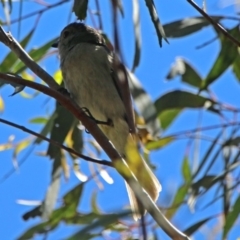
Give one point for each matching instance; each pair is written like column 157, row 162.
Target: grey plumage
column 89, row 75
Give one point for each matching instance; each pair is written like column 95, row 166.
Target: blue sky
column 31, row 180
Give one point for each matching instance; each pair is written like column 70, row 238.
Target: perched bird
column 92, row 80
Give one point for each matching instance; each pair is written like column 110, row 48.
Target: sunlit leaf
column 1, row 104
column 20, row 147
column 39, row 120
column 58, row 76
column 154, row 145
column 65, row 167
column 5, row 146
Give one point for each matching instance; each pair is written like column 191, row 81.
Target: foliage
column 200, row 182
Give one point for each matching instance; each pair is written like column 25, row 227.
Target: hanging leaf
column 232, row 217
column 186, row 171
column 137, row 33
column 181, row 99
column 187, row 26
column 186, row 71
column 192, row 229
column 80, row 8
column 156, row 21
column 226, row 57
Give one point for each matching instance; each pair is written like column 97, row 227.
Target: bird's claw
column 109, row 122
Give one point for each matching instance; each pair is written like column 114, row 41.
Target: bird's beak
column 55, row 45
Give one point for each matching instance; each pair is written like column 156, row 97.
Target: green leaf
column 187, row 26
column 94, row 205
column 37, row 54
column 103, row 221
column 167, row 117
column 38, row 229
column 186, row 171
column 39, row 120
column 72, row 199
column 226, row 57
column 137, row 33
column 47, row 128
column 9, row 61
column 186, row 71
column 177, row 201
column 156, row 21
column 80, row 8
column 62, row 124
column 236, row 68
column 180, row 99
column 192, row 229
column 232, row 217
column 155, row 145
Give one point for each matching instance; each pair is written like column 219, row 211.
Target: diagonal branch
column 218, row 26
column 70, row 150
column 91, row 125
column 10, row 42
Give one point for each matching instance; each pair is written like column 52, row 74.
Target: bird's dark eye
column 65, row 34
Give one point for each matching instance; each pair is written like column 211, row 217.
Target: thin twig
column 70, row 150
column 218, row 26
column 37, row 12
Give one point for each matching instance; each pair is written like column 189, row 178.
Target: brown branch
column 218, row 26
column 70, row 150
column 69, row 104
column 9, row 41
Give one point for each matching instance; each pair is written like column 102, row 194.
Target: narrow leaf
column 137, row 33
column 232, row 217
column 226, row 58
column 187, row 26
column 156, row 21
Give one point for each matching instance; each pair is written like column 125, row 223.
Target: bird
column 91, row 77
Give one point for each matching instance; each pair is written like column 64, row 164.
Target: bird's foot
column 109, row 122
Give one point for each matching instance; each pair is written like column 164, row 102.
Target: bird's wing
column 120, row 79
